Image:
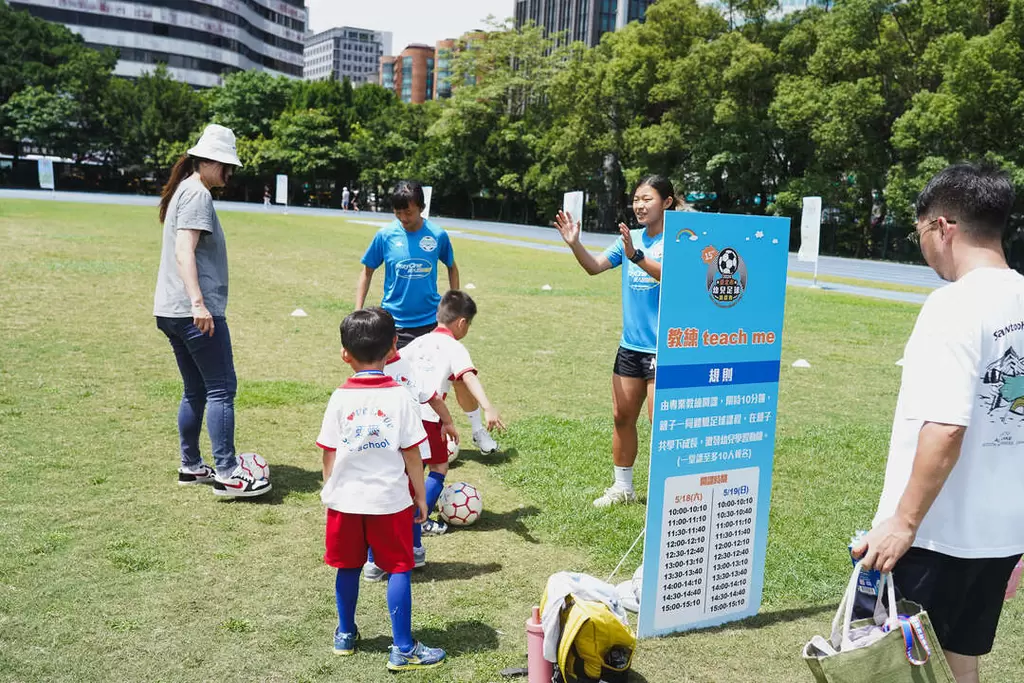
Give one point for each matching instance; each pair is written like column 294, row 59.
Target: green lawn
column 111, row 572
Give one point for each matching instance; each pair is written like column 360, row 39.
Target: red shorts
column 390, row 536
column 438, row 443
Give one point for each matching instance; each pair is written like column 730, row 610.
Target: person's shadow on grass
column 453, row 571
column 498, row 459
column 458, row 638
column 511, row 521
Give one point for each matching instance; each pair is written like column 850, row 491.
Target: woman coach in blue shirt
column 639, row 253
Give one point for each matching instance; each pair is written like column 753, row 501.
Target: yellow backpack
column 594, row 645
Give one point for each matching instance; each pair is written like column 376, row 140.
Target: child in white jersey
column 400, row 370
column 438, row 359
column 371, row 461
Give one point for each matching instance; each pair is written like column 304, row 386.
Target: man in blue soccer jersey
column 410, row 249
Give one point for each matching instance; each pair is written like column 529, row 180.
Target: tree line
column 745, row 109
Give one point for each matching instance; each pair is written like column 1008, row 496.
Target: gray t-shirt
column 191, row 208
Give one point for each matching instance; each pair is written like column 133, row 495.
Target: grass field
column 111, row 572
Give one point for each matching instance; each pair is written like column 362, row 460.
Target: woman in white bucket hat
column 189, row 305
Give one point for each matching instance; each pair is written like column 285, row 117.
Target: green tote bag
column 895, row 647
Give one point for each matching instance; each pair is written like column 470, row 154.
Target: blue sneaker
column 345, row 643
column 421, row 657
column 433, row 527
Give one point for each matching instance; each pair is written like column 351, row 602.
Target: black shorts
column 963, row 597
column 407, row 334
column 629, row 363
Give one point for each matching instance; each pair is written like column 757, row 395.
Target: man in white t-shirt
column 950, row 524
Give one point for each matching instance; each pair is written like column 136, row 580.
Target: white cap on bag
column 217, row 144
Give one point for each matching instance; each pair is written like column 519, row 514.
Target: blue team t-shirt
column 410, row 270
column 640, row 292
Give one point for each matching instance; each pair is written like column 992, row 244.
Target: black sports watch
column 638, row 256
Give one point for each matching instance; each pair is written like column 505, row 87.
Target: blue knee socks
column 346, row 593
column 434, row 486
column 400, row 606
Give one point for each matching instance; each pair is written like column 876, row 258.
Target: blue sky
column 410, row 21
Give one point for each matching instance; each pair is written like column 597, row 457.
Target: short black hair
column 456, row 304
column 979, row 196
column 660, row 184
column 368, row 334
column 406, row 192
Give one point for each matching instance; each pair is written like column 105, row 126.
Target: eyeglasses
column 915, row 236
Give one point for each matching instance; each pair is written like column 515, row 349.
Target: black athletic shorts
column 629, row 363
column 407, row 334
column 963, row 597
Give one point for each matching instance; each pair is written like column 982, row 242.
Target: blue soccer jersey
column 640, row 292
column 410, row 270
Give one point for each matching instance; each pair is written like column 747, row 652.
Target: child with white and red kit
column 370, row 438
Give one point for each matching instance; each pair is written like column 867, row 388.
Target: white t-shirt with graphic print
column 400, row 369
column 437, row 359
column 369, row 421
column 964, row 365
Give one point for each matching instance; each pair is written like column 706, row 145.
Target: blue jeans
column 208, row 375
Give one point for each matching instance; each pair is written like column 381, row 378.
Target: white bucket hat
column 217, row 144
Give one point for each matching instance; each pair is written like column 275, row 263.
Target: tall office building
column 582, row 20
column 346, row 52
column 424, row 73
column 199, row 40
column 410, row 74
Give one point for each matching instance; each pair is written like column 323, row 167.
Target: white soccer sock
column 475, row 419
column 624, row 478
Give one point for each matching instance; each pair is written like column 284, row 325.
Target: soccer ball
column 453, row 450
column 460, row 504
column 728, row 262
column 254, row 466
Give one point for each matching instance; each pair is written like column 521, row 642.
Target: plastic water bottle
column 867, row 584
column 539, row 669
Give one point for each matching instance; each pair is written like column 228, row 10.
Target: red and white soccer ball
column 254, row 465
column 453, row 449
column 460, row 504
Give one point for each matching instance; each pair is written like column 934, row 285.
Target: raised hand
column 627, row 241
column 568, row 228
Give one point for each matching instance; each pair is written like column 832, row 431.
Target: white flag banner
column 572, row 203
column 810, row 230
column 428, row 192
column 45, row 167
column 282, row 189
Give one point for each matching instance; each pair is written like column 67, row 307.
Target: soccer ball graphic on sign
column 453, row 450
column 728, row 262
column 460, row 504
column 254, row 465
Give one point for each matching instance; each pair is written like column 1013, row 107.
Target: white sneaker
column 372, row 573
column 419, row 556
column 240, row 484
column 614, row 496
column 203, row 474
column 485, row 442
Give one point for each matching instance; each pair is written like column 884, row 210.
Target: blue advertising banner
column 723, row 293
